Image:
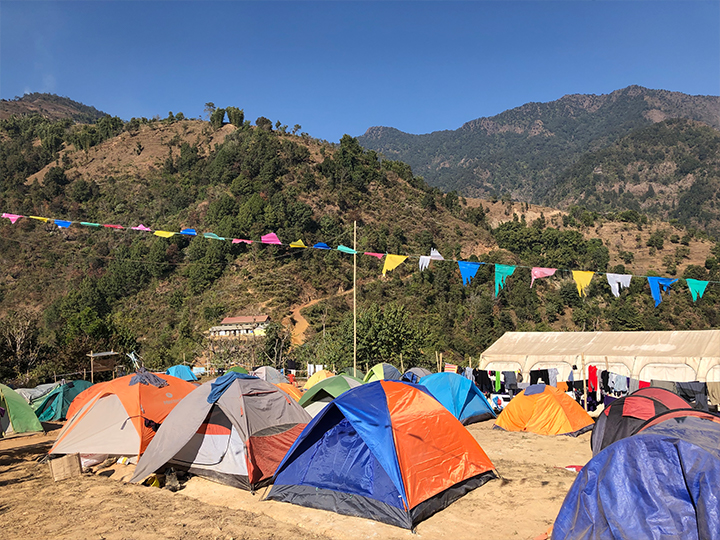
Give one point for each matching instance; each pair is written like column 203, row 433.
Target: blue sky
column 340, row 67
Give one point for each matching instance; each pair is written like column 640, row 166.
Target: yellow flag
column 164, row 234
column 43, row 219
column 582, row 280
column 298, row 244
column 392, row 262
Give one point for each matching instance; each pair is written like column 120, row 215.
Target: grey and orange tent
column 234, row 430
column 120, row 417
column 544, row 410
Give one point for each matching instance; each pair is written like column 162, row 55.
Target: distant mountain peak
column 50, row 106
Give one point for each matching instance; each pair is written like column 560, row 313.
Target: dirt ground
column 102, row 506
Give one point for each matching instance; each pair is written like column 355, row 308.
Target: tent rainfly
column 682, row 356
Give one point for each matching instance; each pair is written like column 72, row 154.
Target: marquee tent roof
column 679, row 356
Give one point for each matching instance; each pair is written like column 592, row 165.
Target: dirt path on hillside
column 301, row 323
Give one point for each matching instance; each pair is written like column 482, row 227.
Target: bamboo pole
column 355, row 299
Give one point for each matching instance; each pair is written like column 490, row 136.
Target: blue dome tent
column 181, row 372
column 460, row 396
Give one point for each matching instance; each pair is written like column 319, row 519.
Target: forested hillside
column 68, row 290
column 523, row 152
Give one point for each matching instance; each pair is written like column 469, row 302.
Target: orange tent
column 544, row 410
column 83, row 397
column 290, row 390
column 122, row 416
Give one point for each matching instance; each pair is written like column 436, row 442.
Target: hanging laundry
column 270, row 238
column 424, row 262
column 502, row 272
column 537, row 273
column 12, row 217
column 697, row 288
column 468, row 271
column 298, row 244
column 592, row 378
column 497, row 381
column 656, row 283
column 582, row 280
column 346, row 249
column 618, row 281
column 392, row 262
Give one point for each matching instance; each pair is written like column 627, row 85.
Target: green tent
column 382, row 372
column 54, row 406
column 349, row 371
column 238, row 369
column 16, row 415
column 323, row 392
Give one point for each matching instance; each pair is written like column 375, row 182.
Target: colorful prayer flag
column 376, row 255
column 141, row 227
column 270, row 238
column 12, row 217
column 89, row 224
column 582, row 280
column 240, row 241
column 43, row 219
column 618, row 281
column 346, row 249
column 656, row 283
column 189, row 232
column 392, row 262
column 114, row 226
column 62, row 223
column 537, row 273
column 697, row 288
column 298, row 244
column 212, row 236
column 468, row 270
column 502, row 272
column 321, row 245
column 164, row 234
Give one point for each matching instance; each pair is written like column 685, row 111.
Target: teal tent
column 181, row 372
column 54, row 406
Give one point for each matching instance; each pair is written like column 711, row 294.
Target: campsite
column 101, row 505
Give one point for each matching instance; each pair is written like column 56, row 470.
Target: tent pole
column 582, row 368
column 355, row 299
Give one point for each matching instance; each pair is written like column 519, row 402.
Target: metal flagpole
column 355, row 299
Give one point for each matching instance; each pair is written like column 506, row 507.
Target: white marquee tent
column 680, row 356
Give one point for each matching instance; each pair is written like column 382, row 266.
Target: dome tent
column 382, row 372
column 659, row 483
column 290, row 390
column 317, row 398
column 317, row 377
column 386, row 451
column 544, row 410
column 181, row 372
column 234, row 430
column 122, row 416
column 625, row 415
column 460, row 396
column 414, row 374
column 16, row 415
column 54, row 405
column 269, row 374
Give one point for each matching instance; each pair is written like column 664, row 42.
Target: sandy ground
column 102, row 506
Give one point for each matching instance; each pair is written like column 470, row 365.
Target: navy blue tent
column 663, row 482
column 181, row 372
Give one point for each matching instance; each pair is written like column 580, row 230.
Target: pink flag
column 141, row 227
column 238, row 241
column 12, row 217
column 113, row 226
column 270, row 239
column 378, row 255
column 538, row 273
